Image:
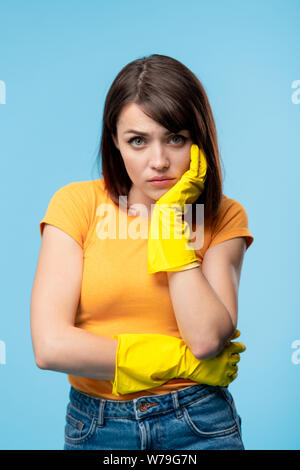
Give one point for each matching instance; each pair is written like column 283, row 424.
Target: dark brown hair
column 170, row 94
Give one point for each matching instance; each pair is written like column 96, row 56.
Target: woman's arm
column 79, row 352
column 205, row 300
column 59, row 345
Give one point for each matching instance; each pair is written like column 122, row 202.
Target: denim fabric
column 198, row 417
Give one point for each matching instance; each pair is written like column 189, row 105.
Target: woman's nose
column 159, row 158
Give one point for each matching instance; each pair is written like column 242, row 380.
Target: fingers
column 235, row 357
column 233, row 370
column 203, row 166
column 198, row 165
column 232, row 377
column 194, row 165
column 237, row 347
column 236, row 334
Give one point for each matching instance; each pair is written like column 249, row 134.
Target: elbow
column 41, row 361
column 41, row 355
column 206, row 350
column 212, row 346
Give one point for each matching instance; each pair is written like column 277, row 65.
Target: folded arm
column 205, row 299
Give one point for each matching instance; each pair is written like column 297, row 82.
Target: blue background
column 58, row 60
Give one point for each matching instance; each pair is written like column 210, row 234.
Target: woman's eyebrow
column 132, row 131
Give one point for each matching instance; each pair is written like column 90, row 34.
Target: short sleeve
column 68, row 210
column 232, row 222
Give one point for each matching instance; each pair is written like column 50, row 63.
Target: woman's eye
column 183, row 139
column 135, row 138
column 180, row 136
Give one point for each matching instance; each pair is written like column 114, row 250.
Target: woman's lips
column 161, row 182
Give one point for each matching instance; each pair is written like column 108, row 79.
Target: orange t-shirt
column 117, row 293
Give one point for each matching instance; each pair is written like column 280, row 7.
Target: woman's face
column 159, row 153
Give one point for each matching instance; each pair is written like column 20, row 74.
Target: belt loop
column 101, row 412
column 176, row 403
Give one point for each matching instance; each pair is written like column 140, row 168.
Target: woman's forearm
column 203, row 320
column 81, row 353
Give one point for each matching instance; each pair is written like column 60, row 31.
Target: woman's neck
column 135, row 197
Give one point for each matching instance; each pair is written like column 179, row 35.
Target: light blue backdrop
column 57, row 62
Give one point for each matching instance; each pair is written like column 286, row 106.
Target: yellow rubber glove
column 145, row 361
column 169, row 234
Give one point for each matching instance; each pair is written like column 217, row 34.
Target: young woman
column 143, row 323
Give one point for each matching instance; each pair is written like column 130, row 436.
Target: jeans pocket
column 210, row 416
column 80, row 426
column 229, row 399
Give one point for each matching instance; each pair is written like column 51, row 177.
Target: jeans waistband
column 141, row 407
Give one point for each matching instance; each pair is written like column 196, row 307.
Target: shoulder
column 231, row 213
column 230, row 205
column 86, row 186
column 72, row 208
column 86, row 193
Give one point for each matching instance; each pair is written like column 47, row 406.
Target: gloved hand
column 174, row 252
column 146, row 361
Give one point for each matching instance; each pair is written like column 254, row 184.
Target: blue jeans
column 196, row 417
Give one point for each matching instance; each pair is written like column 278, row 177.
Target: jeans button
column 143, row 406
